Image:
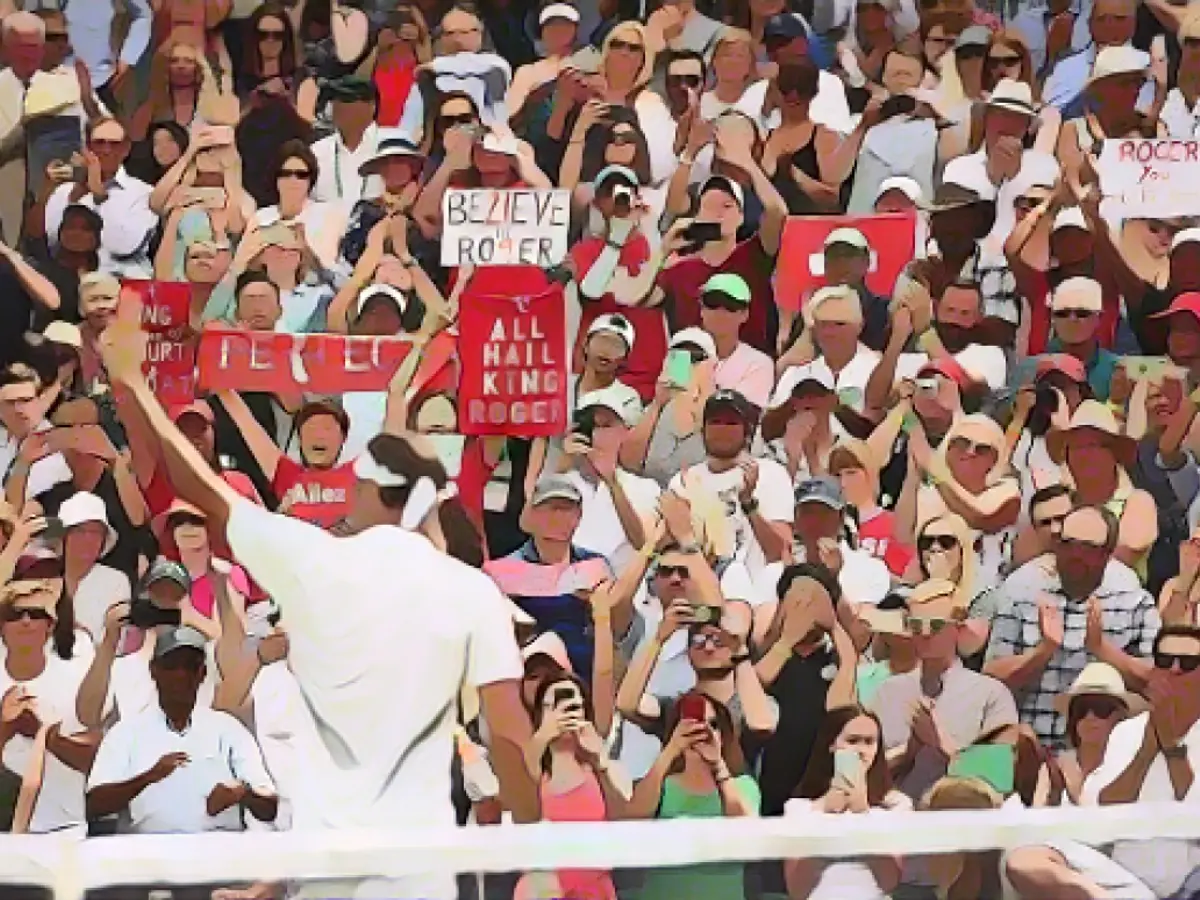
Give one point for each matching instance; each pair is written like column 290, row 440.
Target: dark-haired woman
column 808, row 162
column 699, row 774
column 847, row 775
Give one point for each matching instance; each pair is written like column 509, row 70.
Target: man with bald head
column 24, row 44
column 1071, row 606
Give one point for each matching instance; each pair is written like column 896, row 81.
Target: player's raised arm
column 123, row 349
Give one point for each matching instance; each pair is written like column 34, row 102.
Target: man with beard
column 1055, row 614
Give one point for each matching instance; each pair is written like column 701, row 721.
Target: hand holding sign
column 123, row 343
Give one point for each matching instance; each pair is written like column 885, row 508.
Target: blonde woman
column 626, row 66
column 734, row 69
column 969, row 475
column 183, row 89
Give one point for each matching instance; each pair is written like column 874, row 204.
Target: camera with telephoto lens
column 145, row 614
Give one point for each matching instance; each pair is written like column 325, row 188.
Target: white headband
column 421, row 500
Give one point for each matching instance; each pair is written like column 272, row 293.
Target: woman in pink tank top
column 577, row 781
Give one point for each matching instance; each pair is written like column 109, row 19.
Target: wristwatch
column 689, row 549
column 740, row 658
column 1179, row 751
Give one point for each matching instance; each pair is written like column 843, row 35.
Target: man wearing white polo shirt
column 179, row 768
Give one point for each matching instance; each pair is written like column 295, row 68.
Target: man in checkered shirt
column 1041, row 638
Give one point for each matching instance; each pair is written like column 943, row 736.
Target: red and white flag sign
column 170, row 365
column 513, row 353
column 801, row 266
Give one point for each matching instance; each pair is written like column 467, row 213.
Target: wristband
column 1179, row 751
column 689, row 549
column 750, row 507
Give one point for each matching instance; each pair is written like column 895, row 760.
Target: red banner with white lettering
column 270, row 362
column 170, row 365
column 801, row 267
column 513, row 353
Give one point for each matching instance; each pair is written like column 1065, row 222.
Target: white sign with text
column 511, row 227
column 1151, row 178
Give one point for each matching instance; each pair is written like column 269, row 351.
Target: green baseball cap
column 733, row 286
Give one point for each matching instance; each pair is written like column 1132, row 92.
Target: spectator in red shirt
column 722, row 202
column 853, row 463
column 316, row 489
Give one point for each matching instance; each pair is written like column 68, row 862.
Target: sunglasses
column 671, row 571
column 1187, row 663
column 699, row 641
column 618, row 138
column 1050, row 521
column 103, row 144
column 618, row 44
column 721, row 301
column 919, row 627
column 1080, row 314
column 973, row 51
column 270, row 34
column 966, row 445
column 297, row 174
column 929, row 542
column 1100, row 707
column 453, row 121
column 57, row 37
column 33, row 615
column 185, row 519
column 684, row 80
column 1000, row 62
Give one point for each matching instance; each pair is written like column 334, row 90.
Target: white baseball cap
column 1071, row 217
column 610, row 398
column 558, row 11
column 615, row 323
column 817, row 371
column 698, row 337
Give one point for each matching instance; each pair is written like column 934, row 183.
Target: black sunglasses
column 684, row 80
column 714, row 300
column 57, row 37
column 1073, row 314
column 297, row 174
column 669, row 571
column 1187, row 662
column 929, row 542
column 617, row 138
column 997, row 62
column 618, row 44
column 186, row 519
column 451, row 121
column 270, row 34
column 34, row 615
column 1100, row 706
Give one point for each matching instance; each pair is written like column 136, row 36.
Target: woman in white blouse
column 295, row 177
column 847, row 774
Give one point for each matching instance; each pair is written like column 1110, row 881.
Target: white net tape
column 69, row 868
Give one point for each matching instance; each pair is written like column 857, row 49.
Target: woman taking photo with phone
column 577, row 782
column 847, row 775
column 699, row 774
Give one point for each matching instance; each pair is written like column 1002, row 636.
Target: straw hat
column 1100, row 680
column 1093, row 415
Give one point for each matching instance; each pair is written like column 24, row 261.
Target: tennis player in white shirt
column 384, row 627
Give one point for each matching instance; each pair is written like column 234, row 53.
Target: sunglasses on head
column 966, row 445
column 15, row 614
column 1186, row 662
column 672, row 571
column 1077, row 544
column 684, row 80
column 717, row 300
column 297, row 174
column 1073, row 314
column 618, row 44
column 1098, row 705
column 918, row 626
column 927, row 542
